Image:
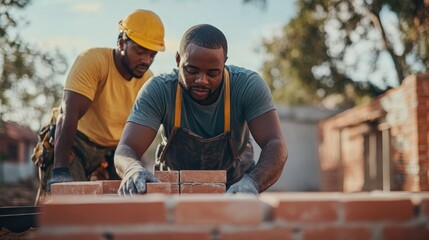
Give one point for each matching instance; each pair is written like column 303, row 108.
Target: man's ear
column 225, row 59
column 121, row 44
column 177, row 59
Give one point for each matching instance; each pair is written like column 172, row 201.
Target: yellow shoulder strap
column 178, row 106
column 227, row 103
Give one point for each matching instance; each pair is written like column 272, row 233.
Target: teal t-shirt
column 250, row 98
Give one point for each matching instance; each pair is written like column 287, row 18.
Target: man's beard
column 211, row 96
column 126, row 63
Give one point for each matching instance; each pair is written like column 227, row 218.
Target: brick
column 77, row 188
column 163, row 236
column 337, row 233
column 256, row 233
column 219, row 209
column 68, row 236
column 166, row 188
column 195, row 234
column 377, row 209
column 202, row 188
column 167, row 176
column 86, row 210
column 203, row 176
column 307, row 210
column 110, row 186
column 399, row 232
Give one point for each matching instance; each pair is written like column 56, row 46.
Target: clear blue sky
column 75, row 25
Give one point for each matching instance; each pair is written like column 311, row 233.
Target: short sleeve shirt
column 250, row 98
column 94, row 75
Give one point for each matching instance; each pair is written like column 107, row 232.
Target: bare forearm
column 270, row 164
column 65, row 135
column 124, row 156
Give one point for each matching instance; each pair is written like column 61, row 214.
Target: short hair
column 206, row 36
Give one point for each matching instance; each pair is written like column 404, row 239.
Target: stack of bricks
column 171, row 182
column 270, row 216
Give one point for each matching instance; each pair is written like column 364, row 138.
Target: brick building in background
column 16, row 146
column 380, row 146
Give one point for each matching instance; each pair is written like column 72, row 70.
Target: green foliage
column 332, row 52
column 28, row 85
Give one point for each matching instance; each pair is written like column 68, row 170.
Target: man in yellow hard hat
column 99, row 92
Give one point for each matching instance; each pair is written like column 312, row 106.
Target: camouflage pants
column 88, row 162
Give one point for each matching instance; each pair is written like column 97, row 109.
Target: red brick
column 377, row 209
column 399, row 232
column 166, row 188
column 337, row 233
column 203, row 176
column 307, row 210
column 256, row 233
column 68, row 236
column 202, row 188
column 110, row 186
column 165, row 235
column 77, row 188
column 167, row 176
column 86, row 210
column 219, row 209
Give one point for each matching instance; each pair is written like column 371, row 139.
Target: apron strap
column 227, row 104
column 178, row 107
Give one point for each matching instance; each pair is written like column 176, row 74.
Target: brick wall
column 271, row 216
column 403, row 114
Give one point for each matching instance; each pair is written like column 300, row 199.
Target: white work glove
column 246, row 185
column 134, row 180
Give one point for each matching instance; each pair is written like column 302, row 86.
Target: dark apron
column 185, row 150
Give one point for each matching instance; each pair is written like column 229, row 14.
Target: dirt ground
column 18, row 194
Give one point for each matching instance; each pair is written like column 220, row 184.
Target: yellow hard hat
column 145, row 28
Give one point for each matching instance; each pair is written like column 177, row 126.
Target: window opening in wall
column 377, row 158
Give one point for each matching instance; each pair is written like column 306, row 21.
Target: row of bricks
column 266, row 232
column 215, row 209
column 171, row 182
column 112, row 186
column 273, row 216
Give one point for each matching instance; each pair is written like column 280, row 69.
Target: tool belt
column 43, row 153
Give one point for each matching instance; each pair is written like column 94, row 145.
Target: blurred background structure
column 363, row 60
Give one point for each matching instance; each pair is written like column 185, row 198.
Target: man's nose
column 202, row 78
column 146, row 58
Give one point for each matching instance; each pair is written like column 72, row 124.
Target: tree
column 28, row 85
column 346, row 50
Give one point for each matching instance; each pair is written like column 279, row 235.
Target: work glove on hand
column 246, row 185
column 134, row 180
column 59, row 175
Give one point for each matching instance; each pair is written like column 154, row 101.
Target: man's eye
column 213, row 74
column 191, row 70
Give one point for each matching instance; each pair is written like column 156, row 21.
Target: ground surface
column 18, row 194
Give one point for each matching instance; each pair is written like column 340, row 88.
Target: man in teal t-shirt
column 207, row 111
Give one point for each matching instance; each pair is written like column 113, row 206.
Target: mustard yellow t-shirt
column 95, row 76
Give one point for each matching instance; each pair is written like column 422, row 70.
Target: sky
column 73, row 26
